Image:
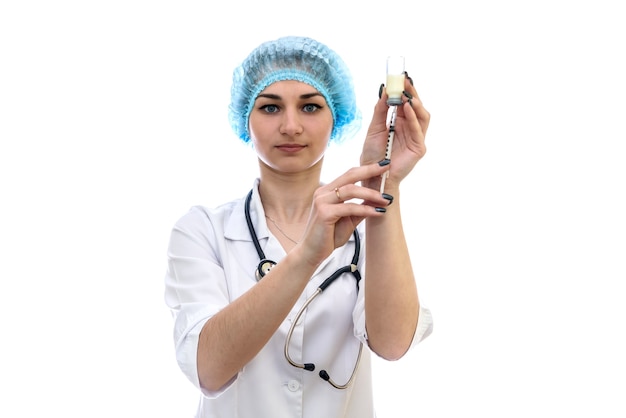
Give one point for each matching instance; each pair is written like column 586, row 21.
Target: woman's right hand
column 338, row 207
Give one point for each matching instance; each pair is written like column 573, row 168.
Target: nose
column 290, row 123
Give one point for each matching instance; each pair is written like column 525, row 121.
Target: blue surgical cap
column 301, row 59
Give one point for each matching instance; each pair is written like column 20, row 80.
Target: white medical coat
column 211, row 262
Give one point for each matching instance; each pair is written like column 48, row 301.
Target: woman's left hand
column 408, row 148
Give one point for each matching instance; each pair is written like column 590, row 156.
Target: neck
column 287, row 198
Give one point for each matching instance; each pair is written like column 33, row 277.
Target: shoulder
column 203, row 216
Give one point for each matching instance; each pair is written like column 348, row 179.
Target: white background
column 113, row 123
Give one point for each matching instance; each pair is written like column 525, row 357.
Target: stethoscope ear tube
column 310, row 366
column 324, row 374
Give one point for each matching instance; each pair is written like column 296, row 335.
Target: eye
column 311, row 107
column 270, row 108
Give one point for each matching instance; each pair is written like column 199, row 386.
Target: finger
column 422, row 114
column 415, row 111
column 350, row 192
column 416, row 103
column 408, row 79
column 410, row 110
column 356, row 174
column 357, row 211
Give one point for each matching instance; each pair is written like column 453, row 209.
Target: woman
column 252, row 330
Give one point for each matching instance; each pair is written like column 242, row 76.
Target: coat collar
column 236, row 227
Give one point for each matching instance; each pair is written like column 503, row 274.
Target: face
column 290, row 126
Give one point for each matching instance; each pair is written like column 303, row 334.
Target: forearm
column 232, row 337
column 391, row 300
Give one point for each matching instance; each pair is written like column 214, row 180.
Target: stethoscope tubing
column 266, row 264
column 310, row 366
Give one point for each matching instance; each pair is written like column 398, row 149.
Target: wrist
column 305, row 259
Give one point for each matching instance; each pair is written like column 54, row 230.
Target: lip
column 290, row 147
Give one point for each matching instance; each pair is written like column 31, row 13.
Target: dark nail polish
column 384, row 162
column 381, row 210
column 408, row 78
column 388, row 197
column 407, row 95
column 380, row 90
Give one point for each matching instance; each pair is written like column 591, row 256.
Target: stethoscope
column 265, row 265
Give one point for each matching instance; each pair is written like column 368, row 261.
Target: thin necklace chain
column 281, row 231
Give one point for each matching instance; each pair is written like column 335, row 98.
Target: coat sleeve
column 195, row 285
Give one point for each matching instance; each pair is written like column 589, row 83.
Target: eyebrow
column 277, row 97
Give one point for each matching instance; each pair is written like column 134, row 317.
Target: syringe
column 392, row 128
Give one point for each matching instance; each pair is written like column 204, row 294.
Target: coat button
column 293, row 385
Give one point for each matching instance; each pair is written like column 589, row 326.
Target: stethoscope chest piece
column 264, row 267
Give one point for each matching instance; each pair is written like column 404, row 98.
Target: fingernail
column 381, row 210
column 384, row 162
column 380, row 90
column 408, row 96
column 406, row 74
column 388, row 197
